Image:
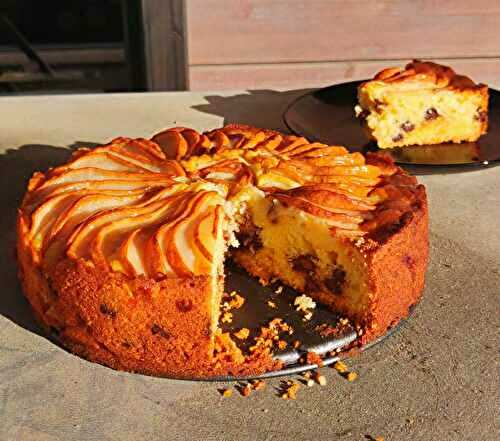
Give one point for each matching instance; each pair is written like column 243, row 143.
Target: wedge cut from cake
column 422, row 103
column 121, row 250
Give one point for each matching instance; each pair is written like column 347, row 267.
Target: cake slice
column 424, row 103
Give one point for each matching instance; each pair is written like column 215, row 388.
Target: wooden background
column 253, row 44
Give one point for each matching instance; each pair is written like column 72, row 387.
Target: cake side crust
column 160, row 328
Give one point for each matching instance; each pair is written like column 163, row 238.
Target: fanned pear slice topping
column 159, row 207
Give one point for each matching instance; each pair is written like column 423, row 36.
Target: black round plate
column 327, row 115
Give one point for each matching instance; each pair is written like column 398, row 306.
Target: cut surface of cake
column 121, row 250
column 423, row 103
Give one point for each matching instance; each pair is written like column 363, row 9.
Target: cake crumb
column 237, row 301
column 282, row 344
column 242, row 334
column 258, row 385
column 296, row 344
column 340, row 367
column 227, row 317
column 304, row 303
column 319, row 378
column 279, row 289
column 351, row 376
column 245, row 391
column 271, row 304
column 313, row 358
column 291, row 391
column 308, row 316
column 226, row 393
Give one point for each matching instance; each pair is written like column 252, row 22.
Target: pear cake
column 121, row 250
column 423, row 103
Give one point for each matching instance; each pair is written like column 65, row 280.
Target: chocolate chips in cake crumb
column 363, row 114
column 481, row 115
column 336, row 281
column 184, row 305
column 431, row 114
column 251, row 239
column 398, row 137
column 407, row 126
column 304, row 263
column 379, row 105
column 409, row 261
column 158, row 330
column 106, row 310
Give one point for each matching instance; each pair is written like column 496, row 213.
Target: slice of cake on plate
column 423, row 103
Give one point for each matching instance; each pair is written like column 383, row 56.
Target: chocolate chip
column 106, row 310
column 158, row 330
column 311, row 285
column 184, row 305
column 481, row 116
column 409, row 261
column 251, row 239
column 363, row 114
column 379, row 105
column 407, row 126
column 304, row 263
column 431, row 113
column 336, row 281
column 398, row 137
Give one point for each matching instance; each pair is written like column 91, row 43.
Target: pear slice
column 80, row 239
column 40, row 196
column 335, row 219
column 89, row 204
column 205, row 231
column 330, row 199
column 131, row 252
column 290, row 143
column 103, row 161
column 172, row 143
column 332, row 150
column 105, row 234
column 170, row 240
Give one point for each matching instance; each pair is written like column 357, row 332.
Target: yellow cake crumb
column 242, row 334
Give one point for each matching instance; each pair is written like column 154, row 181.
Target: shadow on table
column 16, row 167
column 260, row 108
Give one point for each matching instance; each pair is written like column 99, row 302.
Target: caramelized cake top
column 424, row 74
column 156, row 207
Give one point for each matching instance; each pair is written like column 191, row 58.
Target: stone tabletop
column 436, row 379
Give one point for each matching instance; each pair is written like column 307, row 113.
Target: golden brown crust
column 427, row 73
column 397, row 268
column 141, row 325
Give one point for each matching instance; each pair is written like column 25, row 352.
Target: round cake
column 121, row 250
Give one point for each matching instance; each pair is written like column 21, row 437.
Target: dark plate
column 327, row 115
column 256, row 312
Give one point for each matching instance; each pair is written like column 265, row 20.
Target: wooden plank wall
column 254, row 44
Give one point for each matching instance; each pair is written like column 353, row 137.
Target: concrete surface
column 437, row 379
